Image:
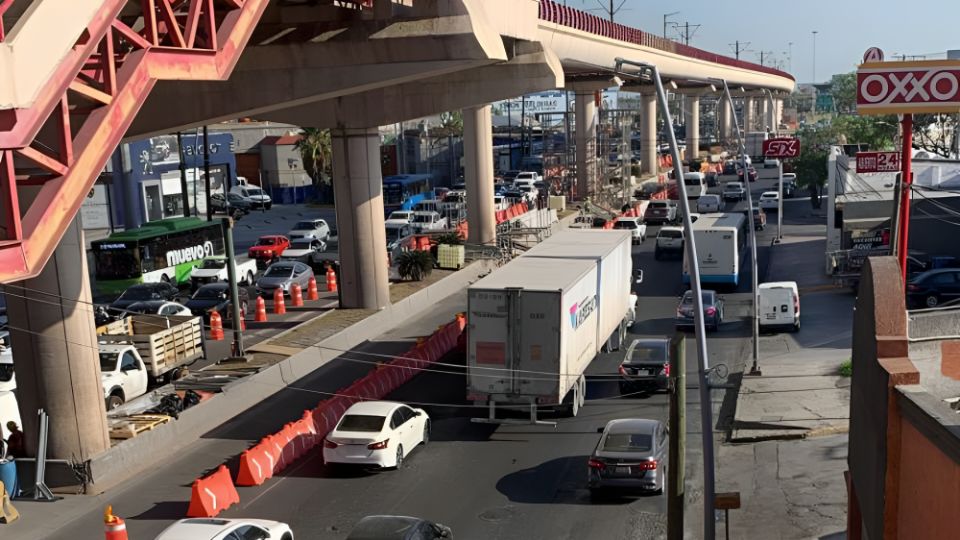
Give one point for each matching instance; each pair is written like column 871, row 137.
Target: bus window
column 116, row 263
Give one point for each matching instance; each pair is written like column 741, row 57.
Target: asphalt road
column 491, row 482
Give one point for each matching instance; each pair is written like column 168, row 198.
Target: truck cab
column 122, row 374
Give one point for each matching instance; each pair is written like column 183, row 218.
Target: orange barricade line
column 212, row 494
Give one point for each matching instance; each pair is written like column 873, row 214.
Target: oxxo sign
column 928, row 86
column 784, row 147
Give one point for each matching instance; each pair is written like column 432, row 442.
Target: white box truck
column 535, row 325
column 610, row 250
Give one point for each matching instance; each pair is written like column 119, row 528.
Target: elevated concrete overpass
column 78, row 76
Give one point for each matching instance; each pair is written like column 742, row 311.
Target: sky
column 845, row 28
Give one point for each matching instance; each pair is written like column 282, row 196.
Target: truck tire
column 114, row 400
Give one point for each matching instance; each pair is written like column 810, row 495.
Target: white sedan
column 159, row 307
column 226, row 529
column 770, row 200
column 377, row 434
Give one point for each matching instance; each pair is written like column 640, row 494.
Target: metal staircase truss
column 52, row 153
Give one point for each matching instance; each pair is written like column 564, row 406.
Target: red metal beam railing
column 114, row 71
column 573, row 18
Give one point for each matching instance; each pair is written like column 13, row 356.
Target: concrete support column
column 358, row 194
column 648, row 133
column 777, row 113
column 478, row 174
column 586, row 143
column 766, row 114
column 748, row 122
column 693, row 127
column 55, row 354
column 723, row 113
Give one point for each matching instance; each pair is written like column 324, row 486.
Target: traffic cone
column 312, row 292
column 279, row 306
column 261, row 313
column 113, row 527
column 296, row 295
column 216, row 326
column 331, row 280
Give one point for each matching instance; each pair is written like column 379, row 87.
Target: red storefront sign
column 783, row 147
column 908, row 87
column 874, row 162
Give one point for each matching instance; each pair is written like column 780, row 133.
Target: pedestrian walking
column 15, row 446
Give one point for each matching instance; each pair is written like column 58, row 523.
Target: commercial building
column 904, row 445
column 860, row 207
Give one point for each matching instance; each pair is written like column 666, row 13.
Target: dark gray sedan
column 631, row 454
column 712, row 310
column 282, row 275
column 646, row 365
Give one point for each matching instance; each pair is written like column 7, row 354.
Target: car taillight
column 378, row 445
column 711, row 311
column 912, row 287
column 622, row 370
column 648, row 465
column 595, row 464
column 796, row 305
column 327, row 443
column 666, row 368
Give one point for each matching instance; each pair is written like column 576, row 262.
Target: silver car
column 631, row 454
column 282, row 275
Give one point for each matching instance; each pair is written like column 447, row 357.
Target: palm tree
column 315, row 151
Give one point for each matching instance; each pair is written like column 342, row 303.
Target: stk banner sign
column 784, row 147
column 928, row 86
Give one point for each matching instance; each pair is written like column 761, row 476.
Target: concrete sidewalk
column 800, row 393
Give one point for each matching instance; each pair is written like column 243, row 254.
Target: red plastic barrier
column 256, row 466
column 212, row 494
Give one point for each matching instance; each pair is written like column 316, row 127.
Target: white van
column 779, row 305
column 258, row 198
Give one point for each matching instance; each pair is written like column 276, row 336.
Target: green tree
column 879, row 132
column 844, row 91
column 811, row 166
column 315, row 150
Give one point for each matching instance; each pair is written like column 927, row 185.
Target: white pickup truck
column 214, row 269
column 140, row 351
column 428, row 221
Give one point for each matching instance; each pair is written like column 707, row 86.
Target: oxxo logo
column 917, row 86
column 580, row 311
column 189, row 254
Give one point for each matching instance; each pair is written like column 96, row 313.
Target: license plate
column 623, row 470
column 643, row 372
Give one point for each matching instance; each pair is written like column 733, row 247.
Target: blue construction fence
column 300, row 194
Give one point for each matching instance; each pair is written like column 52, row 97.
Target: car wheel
column 624, row 388
column 249, row 282
column 596, row 494
column 114, row 401
column 796, row 326
column 426, row 432
column 932, row 301
column 399, row 464
column 286, row 536
column 165, row 278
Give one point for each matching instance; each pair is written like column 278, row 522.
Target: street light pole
column 666, row 16
column 706, row 410
column 814, row 57
column 755, row 369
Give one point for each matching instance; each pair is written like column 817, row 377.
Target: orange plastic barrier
column 212, row 494
column 312, row 292
column 256, row 465
column 279, row 305
column 113, row 526
column 216, row 326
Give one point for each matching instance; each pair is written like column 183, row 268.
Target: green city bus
column 166, row 250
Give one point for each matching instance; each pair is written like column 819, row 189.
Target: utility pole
column 814, row 57
column 184, row 192
column 676, row 492
column 666, row 17
column 206, row 172
column 740, row 47
column 790, row 56
column 686, row 31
